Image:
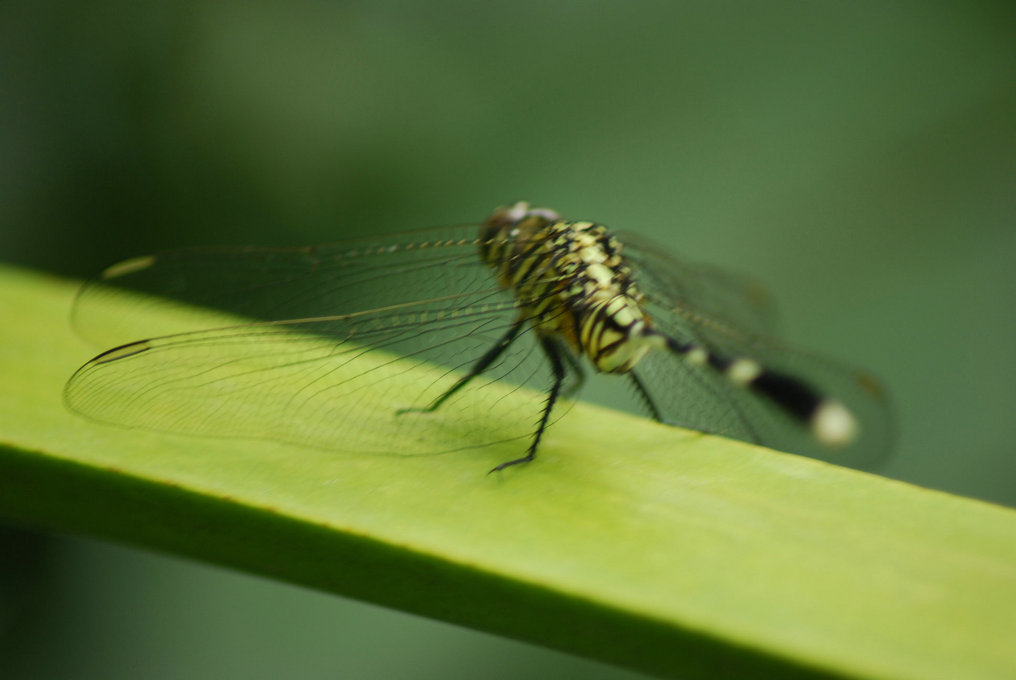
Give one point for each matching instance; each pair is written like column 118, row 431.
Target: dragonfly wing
column 715, row 295
column 273, row 284
column 356, row 382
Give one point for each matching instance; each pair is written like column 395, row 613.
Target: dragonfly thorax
column 615, row 334
column 570, row 282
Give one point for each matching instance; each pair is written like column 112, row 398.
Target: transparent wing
column 355, row 339
column 274, row 284
column 714, row 295
column 731, row 317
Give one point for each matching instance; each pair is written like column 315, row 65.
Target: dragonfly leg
column 575, row 366
column 647, row 399
column 554, row 354
column 481, row 365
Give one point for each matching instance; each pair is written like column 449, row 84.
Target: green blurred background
column 859, row 157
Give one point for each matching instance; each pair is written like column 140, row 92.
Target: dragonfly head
column 510, row 226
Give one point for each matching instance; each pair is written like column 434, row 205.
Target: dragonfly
column 453, row 338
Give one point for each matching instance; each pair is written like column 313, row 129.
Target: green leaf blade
column 649, row 547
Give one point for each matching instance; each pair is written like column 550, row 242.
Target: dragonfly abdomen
column 829, row 421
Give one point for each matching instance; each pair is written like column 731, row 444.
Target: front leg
column 482, row 364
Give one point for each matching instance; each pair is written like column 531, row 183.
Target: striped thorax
column 571, row 282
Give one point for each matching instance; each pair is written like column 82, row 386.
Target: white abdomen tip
column 834, row 425
column 743, row 371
